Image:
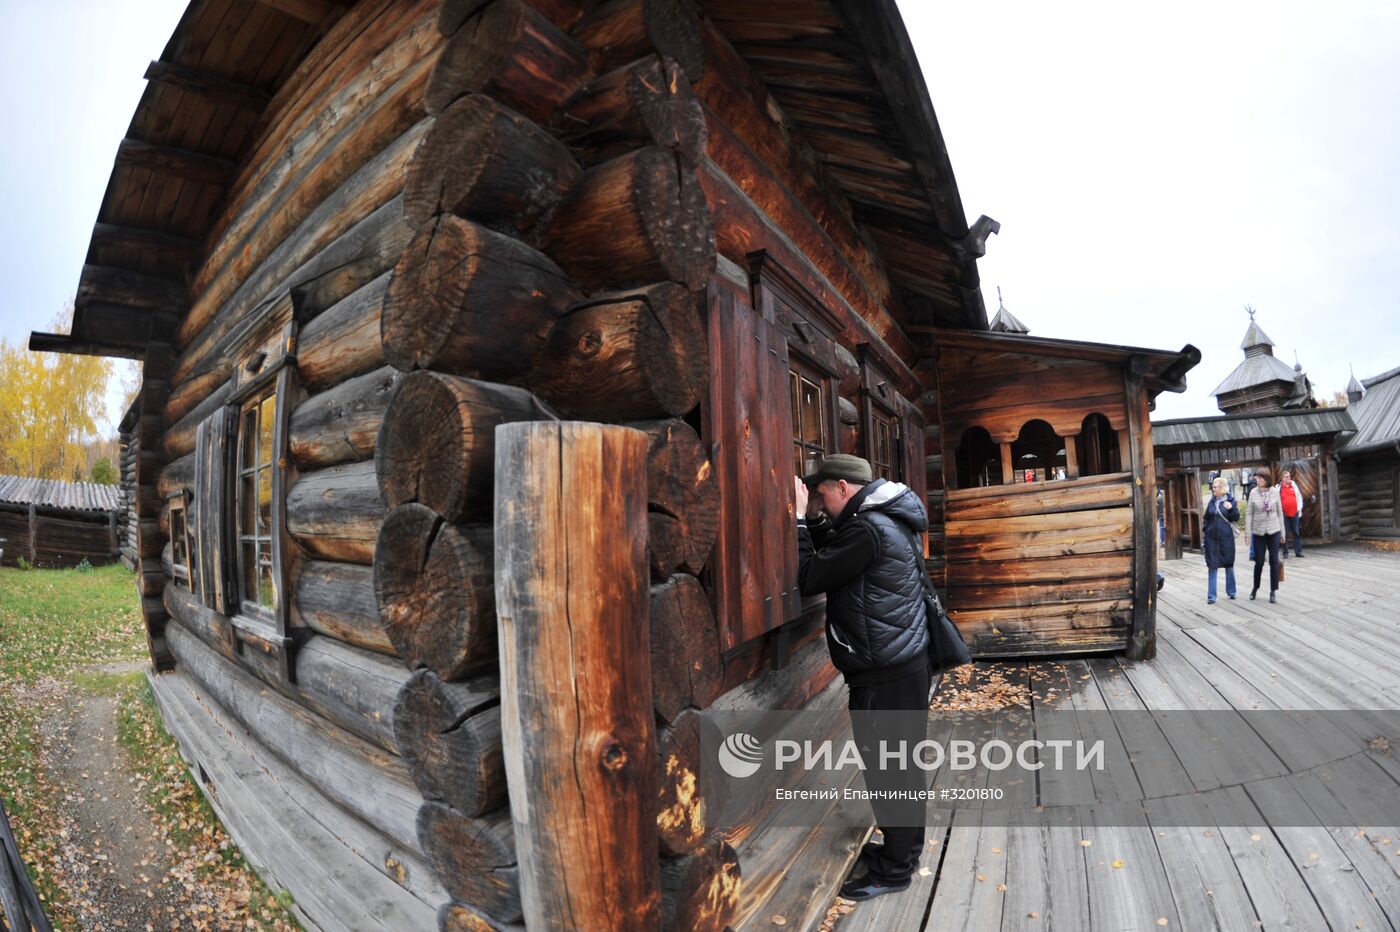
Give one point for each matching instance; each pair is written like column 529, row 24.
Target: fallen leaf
column 1084, row 842
column 1118, row 863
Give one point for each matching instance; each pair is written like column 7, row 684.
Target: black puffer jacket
column 876, row 627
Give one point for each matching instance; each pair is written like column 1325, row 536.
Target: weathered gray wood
column 340, row 425
column 450, row 734
column 343, row 341
column 475, row 859
column 367, row 781
column 462, row 917
column 681, row 484
column 579, row 742
column 350, row 687
column 299, row 840
column 1142, row 641
column 337, row 600
column 434, row 585
column 336, row 512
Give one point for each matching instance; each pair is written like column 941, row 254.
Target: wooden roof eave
column 120, row 310
column 1161, row 370
column 879, row 29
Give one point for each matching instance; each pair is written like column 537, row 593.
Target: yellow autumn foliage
column 50, row 404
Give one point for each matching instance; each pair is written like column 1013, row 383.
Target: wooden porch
column 1332, row 642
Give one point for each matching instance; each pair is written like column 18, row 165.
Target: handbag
column 946, row 647
column 1281, row 567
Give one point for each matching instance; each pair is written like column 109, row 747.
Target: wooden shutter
column 748, row 415
column 211, row 524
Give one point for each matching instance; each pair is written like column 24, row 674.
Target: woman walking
column 1265, row 525
column 1218, row 535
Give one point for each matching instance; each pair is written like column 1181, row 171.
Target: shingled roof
column 54, row 493
column 1377, row 415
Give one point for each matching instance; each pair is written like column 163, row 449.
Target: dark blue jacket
column 1218, row 530
column 873, row 577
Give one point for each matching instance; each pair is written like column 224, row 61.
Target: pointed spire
column 1354, row 389
column 1005, row 321
column 1255, row 338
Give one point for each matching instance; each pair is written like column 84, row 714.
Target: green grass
column 54, row 626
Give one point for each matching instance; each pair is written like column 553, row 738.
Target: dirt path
column 111, row 850
column 115, row 859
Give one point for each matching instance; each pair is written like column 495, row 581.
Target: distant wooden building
column 480, row 342
column 1271, row 420
column 1369, row 460
column 50, row 523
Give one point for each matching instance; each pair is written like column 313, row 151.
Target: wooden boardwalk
column 1332, row 643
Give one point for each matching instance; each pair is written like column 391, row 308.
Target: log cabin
column 480, row 340
column 52, row 523
column 1368, row 461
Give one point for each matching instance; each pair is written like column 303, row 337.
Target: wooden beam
column 314, row 12
column 108, row 285
column 1008, row 467
column 580, row 744
column 111, row 235
column 181, row 163
column 64, row 343
column 1142, row 637
column 212, row 87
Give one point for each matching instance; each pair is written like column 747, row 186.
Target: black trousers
column 1266, row 545
column 901, row 821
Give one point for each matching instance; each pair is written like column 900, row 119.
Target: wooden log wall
column 1370, row 497
column 1042, row 568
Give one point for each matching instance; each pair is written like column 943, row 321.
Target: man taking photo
column 858, row 543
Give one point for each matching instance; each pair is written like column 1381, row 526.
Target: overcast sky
column 1154, row 169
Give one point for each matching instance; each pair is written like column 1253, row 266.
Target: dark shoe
column 867, row 889
column 1253, row 594
column 1272, row 597
column 1299, row 556
column 1210, row 601
column 1232, row 596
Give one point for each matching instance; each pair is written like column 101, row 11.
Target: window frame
column 182, row 573
column 266, row 371
column 879, row 407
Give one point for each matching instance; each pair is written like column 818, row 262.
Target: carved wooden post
column 1142, row 640
column 1008, row 468
column 1071, row 456
column 572, row 602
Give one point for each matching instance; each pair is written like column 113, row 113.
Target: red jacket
column 1291, row 497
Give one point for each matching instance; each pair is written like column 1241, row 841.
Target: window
column 181, row 569
column 884, row 447
column 978, row 459
column 1038, row 455
column 809, row 414
column 253, row 509
column 1096, row 447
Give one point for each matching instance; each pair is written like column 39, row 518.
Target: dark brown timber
column 438, row 442
column 514, row 53
column 450, row 734
column 433, row 584
column 483, row 161
column 700, row 892
column 639, row 218
column 579, row 742
column 622, row 30
column 468, row 300
column 685, row 649
column 627, row 355
column 649, row 101
column 474, row 858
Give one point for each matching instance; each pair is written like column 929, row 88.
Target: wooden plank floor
column 1331, row 643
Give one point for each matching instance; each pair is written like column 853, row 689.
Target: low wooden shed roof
column 1270, row 425
column 53, row 493
column 1377, row 415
